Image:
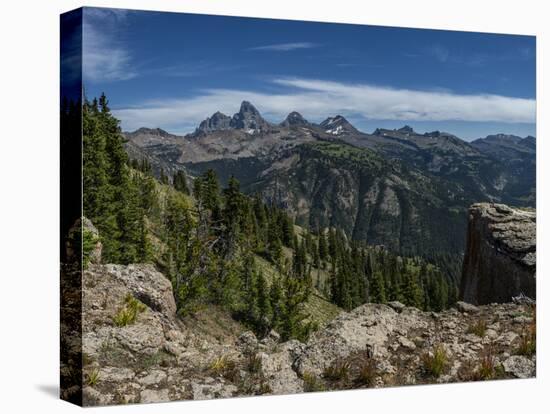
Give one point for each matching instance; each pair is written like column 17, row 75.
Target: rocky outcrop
column 500, row 257
column 160, row 357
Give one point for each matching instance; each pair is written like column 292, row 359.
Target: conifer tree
column 323, row 248
column 377, row 291
column 180, row 182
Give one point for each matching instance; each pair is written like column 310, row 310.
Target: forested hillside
column 219, row 246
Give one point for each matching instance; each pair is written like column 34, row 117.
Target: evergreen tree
column 323, row 248
column 163, row 177
column 377, row 289
column 180, row 182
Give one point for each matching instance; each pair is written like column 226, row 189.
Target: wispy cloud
column 317, row 99
column 105, row 56
column 444, row 54
column 285, row 47
column 439, row 52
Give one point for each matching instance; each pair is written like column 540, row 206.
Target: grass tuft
column 129, row 312
column 367, row 373
column 254, row 364
column 487, row 368
column 528, row 343
column 435, row 362
column 225, row 367
column 337, row 371
column 92, row 377
column 479, row 328
column 312, row 383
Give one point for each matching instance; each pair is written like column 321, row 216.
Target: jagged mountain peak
column 218, row 121
column 406, row 129
column 294, row 118
column 249, row 119
column 337, row 125
column 247, row 107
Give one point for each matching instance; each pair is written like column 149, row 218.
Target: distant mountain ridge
column 407, row 190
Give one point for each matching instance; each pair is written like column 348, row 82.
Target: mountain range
column 405, row 190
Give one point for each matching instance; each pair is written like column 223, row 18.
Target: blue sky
column 172, row 70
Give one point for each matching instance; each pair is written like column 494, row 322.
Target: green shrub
column 128, row 314
column 435, row 362
column 89, row 241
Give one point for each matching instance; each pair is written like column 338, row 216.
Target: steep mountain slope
column 518, row 157
column 385, row 203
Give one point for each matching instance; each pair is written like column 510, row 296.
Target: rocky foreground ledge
column 135, row 349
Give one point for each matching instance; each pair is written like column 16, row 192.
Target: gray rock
column 277, row 369
column 91, row 396
column 466, row 307
column 116, row 374
column 210, row 389
column 396, row 306
column 519, row 366
column 406, row 343
column 500, row 257
column 153, row 396
column 154, row 377
column 248, row 342
column 147, row 284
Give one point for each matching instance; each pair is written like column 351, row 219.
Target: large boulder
column 500, row 258
column 146, row 283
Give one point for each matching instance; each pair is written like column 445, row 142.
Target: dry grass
column 224, row 366
column 435, row 362
column 367, row 373
column 254, row 364
column 337, row 371
column 312, row 383
column 528, row 343
column 487, row 368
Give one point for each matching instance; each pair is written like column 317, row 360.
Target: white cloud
column 285, row 47
column 317, row 99
column 104, row 56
